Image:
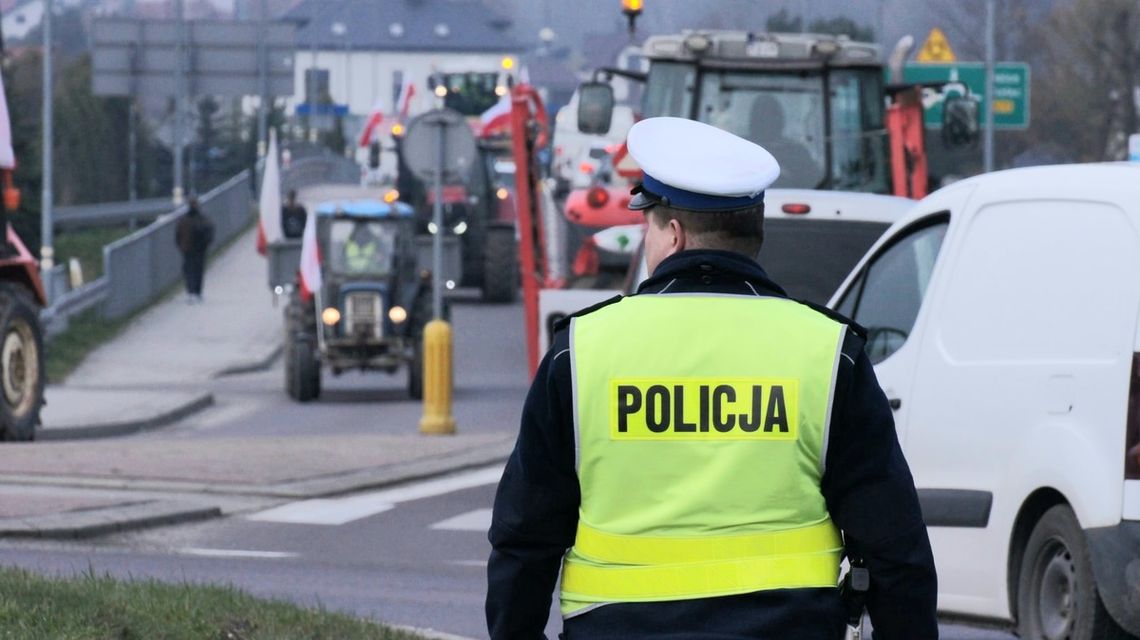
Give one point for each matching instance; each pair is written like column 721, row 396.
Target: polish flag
column 497, row 119
column 7, row 156
column 407, row 95
column 375, row 118
column 269, row 203
column 310, row 258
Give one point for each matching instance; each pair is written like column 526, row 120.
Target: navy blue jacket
column 866, row 484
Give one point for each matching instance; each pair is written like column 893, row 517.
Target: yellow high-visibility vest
column 701, row 428
column 359, row 257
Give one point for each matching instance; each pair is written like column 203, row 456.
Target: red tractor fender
column 22, row 268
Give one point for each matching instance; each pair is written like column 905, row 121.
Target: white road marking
column 477, row 520
column 235, row 553
column 338, row 511
column 471, row 563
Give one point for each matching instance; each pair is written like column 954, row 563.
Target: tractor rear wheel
column 21, row 364
column 500, row 266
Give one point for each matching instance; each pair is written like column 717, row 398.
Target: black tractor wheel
column 1057, row 596
column 21, row 364
column 416, row 369
column 306, row 369
column 501, row 266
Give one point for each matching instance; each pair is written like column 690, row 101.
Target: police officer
column 696, row 458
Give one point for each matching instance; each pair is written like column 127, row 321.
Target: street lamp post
column 47, row 253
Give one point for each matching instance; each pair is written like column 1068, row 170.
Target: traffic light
column 632, row 9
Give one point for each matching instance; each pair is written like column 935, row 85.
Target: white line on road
column 235, row 553
column 471, row 563
column 338, row 511
column 477, row 520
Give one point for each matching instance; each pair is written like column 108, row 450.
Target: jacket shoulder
column 565, row 322
column 855, row 327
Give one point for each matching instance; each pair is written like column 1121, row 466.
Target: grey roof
column 423, row 25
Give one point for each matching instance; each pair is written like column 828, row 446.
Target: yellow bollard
column 437, row 419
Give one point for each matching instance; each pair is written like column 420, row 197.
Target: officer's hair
column 740, row 231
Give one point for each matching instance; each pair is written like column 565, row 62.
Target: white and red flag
column 407, row 96
column 310, row 258
column 269, row 204
column 497, row 119
column 7, row 156
column 372, row 126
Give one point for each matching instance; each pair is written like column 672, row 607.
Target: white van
column 1003, row 318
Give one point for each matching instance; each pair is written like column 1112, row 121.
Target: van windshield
column 810, row 259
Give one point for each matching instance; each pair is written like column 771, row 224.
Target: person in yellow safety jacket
column 362, row 250
column 697, row 458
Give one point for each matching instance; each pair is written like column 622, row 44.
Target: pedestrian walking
column 698, row 458
column 193, row 235
column 293, row 216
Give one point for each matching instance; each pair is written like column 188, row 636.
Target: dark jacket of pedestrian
column 193, row 235
column 293, row 217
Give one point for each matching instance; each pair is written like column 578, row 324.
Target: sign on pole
column 936, row 48
column 139, row 57
column 1134, row 147
column 1011, row 90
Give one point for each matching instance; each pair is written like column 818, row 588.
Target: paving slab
column 74, row 413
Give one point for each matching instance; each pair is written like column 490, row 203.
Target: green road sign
column 1011, row 88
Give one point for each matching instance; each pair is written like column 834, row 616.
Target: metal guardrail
column 109, row 213
column 305, row 172
column 146, row 263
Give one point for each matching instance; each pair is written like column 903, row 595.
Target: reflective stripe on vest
column 700, row 429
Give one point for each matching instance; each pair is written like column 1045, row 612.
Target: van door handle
column 895, row 403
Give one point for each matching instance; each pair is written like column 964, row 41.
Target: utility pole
column 47, row 253
column 179, row 97
column 988, row 145
column 262, row 80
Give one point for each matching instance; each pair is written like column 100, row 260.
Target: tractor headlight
column 432, row 228
column 330, row 316
column 397, row 314
column 460, row 228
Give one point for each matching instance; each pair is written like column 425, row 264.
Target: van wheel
column 1057, row 597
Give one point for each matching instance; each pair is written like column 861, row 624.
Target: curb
column 252, row 366
column 125, row 427
column 101, row 521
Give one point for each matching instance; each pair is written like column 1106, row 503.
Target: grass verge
column 84, row 333
column 92, row 607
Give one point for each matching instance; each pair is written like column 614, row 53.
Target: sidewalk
column 161, row 369
column 154, row 373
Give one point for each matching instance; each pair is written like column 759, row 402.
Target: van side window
column 887, row 295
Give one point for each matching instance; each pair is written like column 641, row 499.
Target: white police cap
column 695, row 166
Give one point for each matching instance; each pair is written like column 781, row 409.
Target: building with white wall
column 371, row 47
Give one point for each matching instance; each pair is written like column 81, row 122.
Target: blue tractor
column 372, row 304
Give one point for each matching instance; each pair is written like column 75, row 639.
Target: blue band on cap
column 693, row 201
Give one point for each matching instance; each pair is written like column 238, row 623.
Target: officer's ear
column 677, row 235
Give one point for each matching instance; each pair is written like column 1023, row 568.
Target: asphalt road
column 412, row 556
